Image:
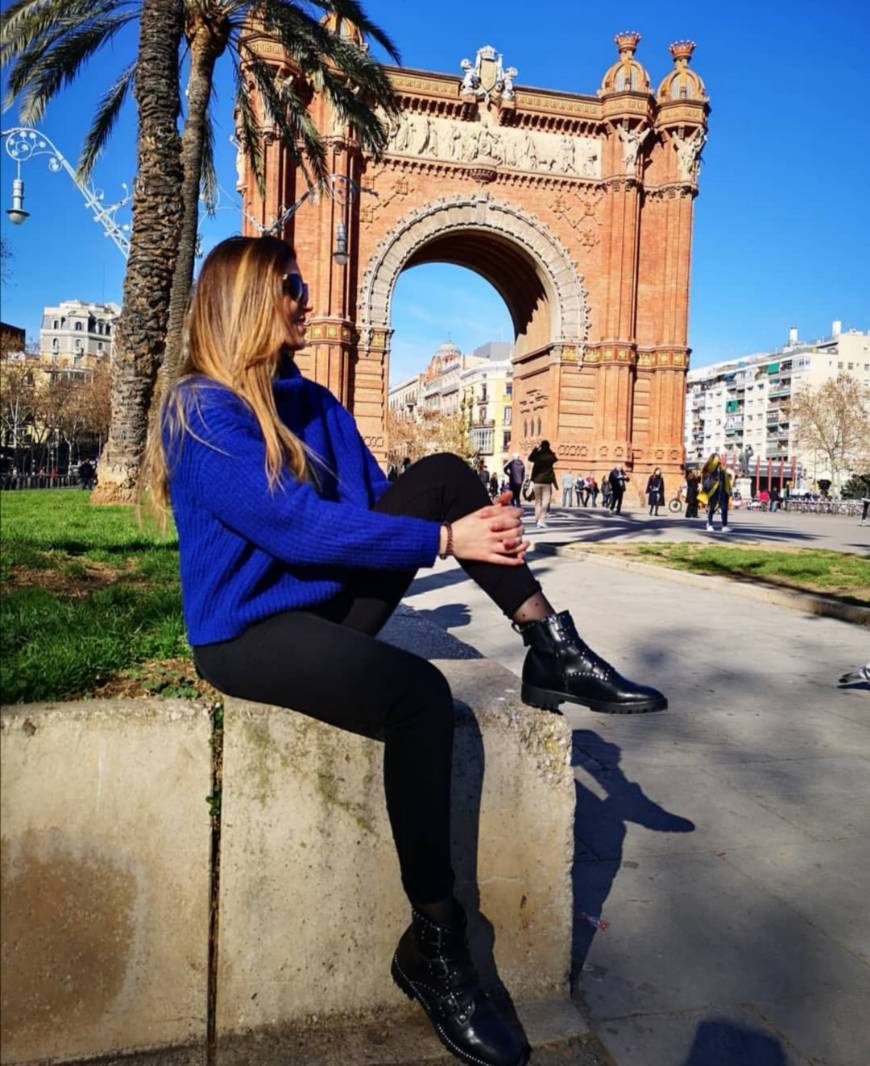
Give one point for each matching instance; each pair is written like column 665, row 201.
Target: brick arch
column 507, row 245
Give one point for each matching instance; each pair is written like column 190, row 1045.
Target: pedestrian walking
column 865, row 506
column 655, row 491
column 392, row 472
column 618, row 478
column 295, row 550
column 406, row 465
column 515, row 469
column 493, row 485
column 567, row 489
column 692, row 485
column 86, row 475
column 715, row 492
column 591, row 490
column 543, row 460
column 606, row 492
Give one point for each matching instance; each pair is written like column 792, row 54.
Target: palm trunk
column 205, row 47
column 157, row 214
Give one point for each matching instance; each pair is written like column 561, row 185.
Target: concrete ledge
column 809, row 602
column 311, row 903
column 105, row 879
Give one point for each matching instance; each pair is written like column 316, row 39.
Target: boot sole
column 548, row 700
column 407, row 986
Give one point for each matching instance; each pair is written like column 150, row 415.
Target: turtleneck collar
column 288, row 372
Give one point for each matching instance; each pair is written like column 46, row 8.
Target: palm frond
column 356, row 112
column 287, row 111
column 353, row 12
column 62, row 63
column 35, row 35
column 208, row 185
column 247, row 130
column 104, row 121
column 34, row 23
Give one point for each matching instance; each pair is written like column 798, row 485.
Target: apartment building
column 742, row 406
column 487, row 405
column 75, row 335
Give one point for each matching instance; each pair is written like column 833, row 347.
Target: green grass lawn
column 88, row 598
column 836, row 574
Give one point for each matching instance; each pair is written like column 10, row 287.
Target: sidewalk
column 726, row 840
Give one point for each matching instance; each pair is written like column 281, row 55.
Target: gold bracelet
column 448, row 550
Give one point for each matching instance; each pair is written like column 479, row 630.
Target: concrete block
column 311, row 905
column 105, row 879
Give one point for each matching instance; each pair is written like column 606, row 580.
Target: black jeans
column 326, row 662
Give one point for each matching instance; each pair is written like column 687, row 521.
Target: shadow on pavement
column 600, row 829
column 720, row 1042
column 597, row 526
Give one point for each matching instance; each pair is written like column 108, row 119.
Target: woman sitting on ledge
column 295, row 550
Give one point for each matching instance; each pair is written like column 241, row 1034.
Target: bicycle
column 676, row 504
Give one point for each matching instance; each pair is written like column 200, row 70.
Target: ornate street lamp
column 24, row 143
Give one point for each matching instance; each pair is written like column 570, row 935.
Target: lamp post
column 23, row 143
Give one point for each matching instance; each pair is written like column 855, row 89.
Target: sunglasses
column 295, row 288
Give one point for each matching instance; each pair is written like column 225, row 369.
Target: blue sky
column 782, row 227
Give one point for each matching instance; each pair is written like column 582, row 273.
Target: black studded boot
column 562, row 668
column 432, row 964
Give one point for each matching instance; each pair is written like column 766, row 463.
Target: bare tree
column 16, row 404
column 427, row 434
column 833, row 420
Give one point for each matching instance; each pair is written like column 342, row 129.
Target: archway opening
column 451, row 369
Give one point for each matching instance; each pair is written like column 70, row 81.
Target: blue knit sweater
column 248, row 552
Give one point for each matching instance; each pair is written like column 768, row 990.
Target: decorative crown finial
column 681, row 51
column 627, row 42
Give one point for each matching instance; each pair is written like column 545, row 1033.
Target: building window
column 507, row 415
column 78, row 327
column 99, row 346
column 54, row 344
column 56, row 324
column 539, row 427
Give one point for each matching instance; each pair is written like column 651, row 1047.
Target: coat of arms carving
column 487, row 77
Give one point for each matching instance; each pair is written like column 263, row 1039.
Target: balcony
column 780, row 390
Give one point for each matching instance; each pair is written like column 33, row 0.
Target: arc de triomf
column 577, row 209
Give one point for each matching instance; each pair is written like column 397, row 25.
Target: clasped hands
column 493, row 534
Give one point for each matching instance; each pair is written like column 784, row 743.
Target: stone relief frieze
column 471, row 142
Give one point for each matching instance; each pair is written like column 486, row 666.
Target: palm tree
column 157, row 214
column 324, row 56
column 46, row 42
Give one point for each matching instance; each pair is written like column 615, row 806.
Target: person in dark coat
column 493, row 485
column 655, row 491
column 543, row 459
column 692, row 484
column 86, row 475
column 618, row 478
column 516, row 475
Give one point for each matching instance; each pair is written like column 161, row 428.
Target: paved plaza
column 595, row 525
column 726, row 840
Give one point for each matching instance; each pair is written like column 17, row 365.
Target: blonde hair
column 711, row 464
column 235, row 334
